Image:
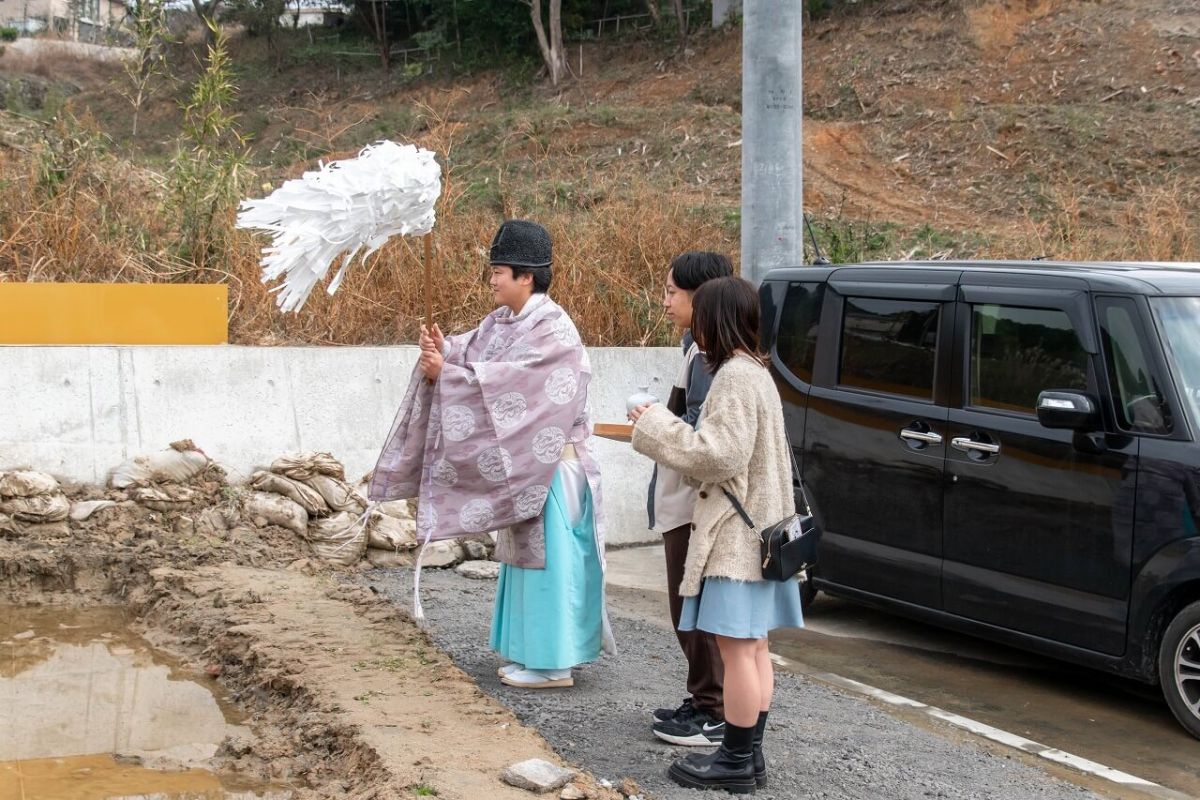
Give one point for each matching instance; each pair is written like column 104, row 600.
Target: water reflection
column 86, row 706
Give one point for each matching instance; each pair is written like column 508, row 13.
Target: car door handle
column 921, row 436
column 967, row 445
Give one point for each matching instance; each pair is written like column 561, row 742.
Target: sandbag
column 302, row 466
column 388, row 533
column 24, row 483
column 83, row 510
column 340, row 539
column 338, row 494
column 267, row 508
column 34, row 530
column 296, row 491
column 390, row 559
column 177, row 464
column 397, row 509
column 40, row 509
column 169, row 497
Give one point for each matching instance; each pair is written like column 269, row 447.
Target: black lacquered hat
column 521, row 243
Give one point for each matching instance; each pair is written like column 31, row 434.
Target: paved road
column 1118, row 723
column 821, row 743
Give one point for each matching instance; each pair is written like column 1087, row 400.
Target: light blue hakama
column 743, row 609
column 552, row 618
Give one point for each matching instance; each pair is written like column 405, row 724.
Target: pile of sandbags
column 308, row 494
column 32, row 502
column 160, row 480
column 178, row 464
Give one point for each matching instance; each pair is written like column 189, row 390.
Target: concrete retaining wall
column 79, row 411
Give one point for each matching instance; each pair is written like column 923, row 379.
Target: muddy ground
column 345, row 696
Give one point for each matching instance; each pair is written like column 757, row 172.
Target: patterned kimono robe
column 480, row 447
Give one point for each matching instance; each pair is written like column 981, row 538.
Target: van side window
column 796, row 341
column 1018, row 352
column 1137, row 402
column 889, row 346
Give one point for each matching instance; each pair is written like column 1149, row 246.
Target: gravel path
column 820, row 743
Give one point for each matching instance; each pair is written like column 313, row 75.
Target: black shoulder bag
column 789, row 545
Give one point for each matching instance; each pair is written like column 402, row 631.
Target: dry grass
column 101, row 218
column 104, row 221
column 57, row 66
column 1158, row 224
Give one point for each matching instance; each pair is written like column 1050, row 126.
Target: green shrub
column 9, row 34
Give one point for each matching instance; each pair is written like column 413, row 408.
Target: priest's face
column 510, row 291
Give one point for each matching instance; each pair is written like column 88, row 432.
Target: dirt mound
column 343, row 685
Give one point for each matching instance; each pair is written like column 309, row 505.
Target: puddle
column 88, row 711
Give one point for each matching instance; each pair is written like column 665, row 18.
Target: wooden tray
column 620, row 432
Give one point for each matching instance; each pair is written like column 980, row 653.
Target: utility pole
column 772, row 137
column 723, row 10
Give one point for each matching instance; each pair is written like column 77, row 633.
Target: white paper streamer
column 344, row 207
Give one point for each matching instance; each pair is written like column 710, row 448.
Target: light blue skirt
column 743, row 609
column 552, row 618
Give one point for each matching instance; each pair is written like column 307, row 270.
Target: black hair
column 692, row 269
column 725, row 319
column 541, row 276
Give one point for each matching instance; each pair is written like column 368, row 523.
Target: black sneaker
column 685, row 711
column 699, row 730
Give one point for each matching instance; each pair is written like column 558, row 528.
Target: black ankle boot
column 760, row 761
column 730, row 768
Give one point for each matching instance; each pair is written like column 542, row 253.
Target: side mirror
column 1074, row 411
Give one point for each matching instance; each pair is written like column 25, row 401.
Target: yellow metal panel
column 113, row 313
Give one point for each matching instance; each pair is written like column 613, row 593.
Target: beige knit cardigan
column 740, row 444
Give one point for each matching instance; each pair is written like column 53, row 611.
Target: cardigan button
column 704, row 495
column 693, row 526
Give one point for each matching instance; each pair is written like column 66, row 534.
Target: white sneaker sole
column 695, row 740
column 560, row 683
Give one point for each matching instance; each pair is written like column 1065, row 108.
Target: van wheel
column 1179, row 667
column 808, row 592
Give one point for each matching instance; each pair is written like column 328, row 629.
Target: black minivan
column 1011, row 450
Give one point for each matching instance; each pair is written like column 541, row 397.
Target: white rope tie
column 418, row 608
column 359, row 522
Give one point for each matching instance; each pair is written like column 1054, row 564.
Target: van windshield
column 1179, row 323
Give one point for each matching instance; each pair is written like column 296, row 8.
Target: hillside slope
column 950, row 127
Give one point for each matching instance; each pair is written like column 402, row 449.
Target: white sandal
column 539, row 679
column 509, row 669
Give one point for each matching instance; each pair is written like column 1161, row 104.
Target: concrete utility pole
column 772, row 138
column 722, row 10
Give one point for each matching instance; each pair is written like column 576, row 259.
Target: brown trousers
column 706, row 672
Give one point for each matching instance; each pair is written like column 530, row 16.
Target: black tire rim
column 1187, row 670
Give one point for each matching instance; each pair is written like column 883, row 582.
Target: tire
column 808, row 592
column 1179, row 667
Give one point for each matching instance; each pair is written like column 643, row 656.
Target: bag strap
column 738, row 506
column 741, row 511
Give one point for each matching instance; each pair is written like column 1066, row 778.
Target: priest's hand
column 433, row 340
column 431, row 363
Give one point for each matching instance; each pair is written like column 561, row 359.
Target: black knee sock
column 760, row 728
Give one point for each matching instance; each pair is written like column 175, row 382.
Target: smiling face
column 510, row 291
column 677, row 303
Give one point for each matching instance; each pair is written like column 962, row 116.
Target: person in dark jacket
column 700, row 719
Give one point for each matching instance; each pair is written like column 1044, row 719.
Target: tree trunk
column 551, row 47
column 207, row 11
column 557, row 51
column 652, row 7
column 378, row 18
column 680, row 20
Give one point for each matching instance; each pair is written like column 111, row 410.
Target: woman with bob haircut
column 740, row 445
